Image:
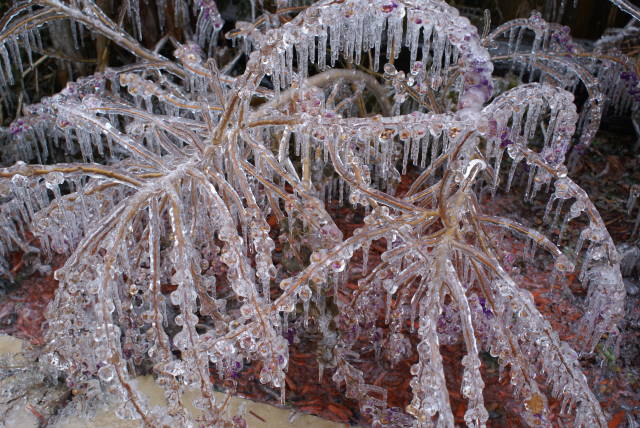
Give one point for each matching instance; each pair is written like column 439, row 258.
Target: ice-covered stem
column 547, row 35
column 161, row 351
column 139, row 87
column 503, row 343
column 600, row 270
column 326, row 78
column 430, row 395
column 472, row 384
column 59, row 222
column 70, row 170
column 195, row 365
column 183, row 296
column 556, row 359
column 111, row 365
column 628, row 7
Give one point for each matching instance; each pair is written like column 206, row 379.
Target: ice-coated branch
column 628, row 7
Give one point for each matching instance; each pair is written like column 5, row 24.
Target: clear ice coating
column 198, row 213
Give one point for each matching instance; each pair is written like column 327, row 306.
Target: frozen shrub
column 194, row 204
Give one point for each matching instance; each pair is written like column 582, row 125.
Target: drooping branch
column 628, row 7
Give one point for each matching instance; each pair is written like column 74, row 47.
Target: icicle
column 40, row 137
column 580, row 243
column 377, row 44
column 312, row 50
column 365, row 256
column 322, row 51
column 20, row 187
column 13, row 45
column 412, row 316
column 425, row 149
column 633, row 197
column 41, row 197
column 4, row 95
column 528, row 193
column 388, row 308
column 367, row 151
column 52, row 182
column 305, row 306
column 81, row 35
column 530, row 122
column 161, row 7
column 521, row 31
column 84, row 139
column 532, row 250
column 438, row 51
column 415, row 149
column 26, row 43
column 515, row 126
column 512, row 172
column 134, row 14
column 334, row 43
column 586, row 261
column 446, row 141
column 405, row 155
column 412, row 37
column 496, row 171
column 427, row 33
column 563, row 228
column 466, row 271
column 298, row 144
column 556, row 216
column 512, row 36
column 303, row 56
column 547, row 210
column 74, row 35
column 110, row 148
column 68, row 140
column 7, row 65
column 384, row 154
column 447, row 57
column 551, row 128
column 561, row 10
column 283, row 148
